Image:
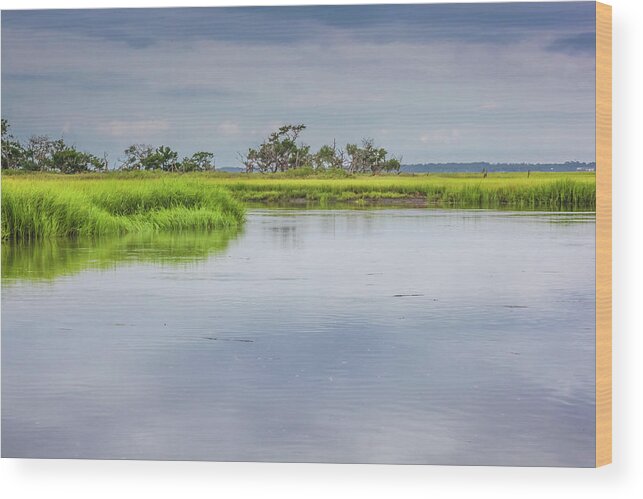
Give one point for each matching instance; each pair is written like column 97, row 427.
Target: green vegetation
column 281, row 153
column 40, row 153
column 144, row 157
column 545, row 191
column 43, row 205
column 50, row 258
column 153, row 191
column 37, row 206
column 43, row 154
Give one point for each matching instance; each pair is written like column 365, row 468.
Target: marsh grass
column 548, row 191
column 35, row 207
column 45, row 205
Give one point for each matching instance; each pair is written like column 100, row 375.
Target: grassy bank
column 38, row 206
column 541, row 190
column 35, row 206
column 546, row 191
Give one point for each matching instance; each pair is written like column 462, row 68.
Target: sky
column 512, row 82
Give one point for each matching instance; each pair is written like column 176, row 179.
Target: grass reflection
column 51, row 258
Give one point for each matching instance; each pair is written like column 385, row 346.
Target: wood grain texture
column 603, row 234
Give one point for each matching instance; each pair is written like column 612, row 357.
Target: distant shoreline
column 478, row 166
column 472, row 167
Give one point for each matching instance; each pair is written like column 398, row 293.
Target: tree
column 328, row 157
column 40, row 151
column 369, row 159
column 13, row 154
column 69, row 160
column 45, row 154
column 280, row 152
column 199, row 161
column 104, row 162
column 162, row 158
column 392, row 165
column 135, row 156
column 250, row 160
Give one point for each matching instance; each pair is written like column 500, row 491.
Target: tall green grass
column 546, row 191
column 35, row 207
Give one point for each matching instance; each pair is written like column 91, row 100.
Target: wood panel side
column 603, row 234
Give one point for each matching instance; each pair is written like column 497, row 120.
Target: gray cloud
column 583, row 43
column 431, row 84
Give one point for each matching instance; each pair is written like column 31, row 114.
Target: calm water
column 393, row 336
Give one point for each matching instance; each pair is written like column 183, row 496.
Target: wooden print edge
column 603, row 234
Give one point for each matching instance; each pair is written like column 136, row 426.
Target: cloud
column 228, row 128
column 474, row 23
column 134, row 129
column 203, row 81
column 489, row 106
column 441, row 136
column 582, row 43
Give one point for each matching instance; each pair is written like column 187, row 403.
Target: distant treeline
column 568, row 166
column 280, row 152
column 43, row 154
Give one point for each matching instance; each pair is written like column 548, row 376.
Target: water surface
column 389, row 336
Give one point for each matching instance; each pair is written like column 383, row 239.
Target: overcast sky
column 451, row 82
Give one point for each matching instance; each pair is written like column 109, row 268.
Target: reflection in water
column 51, row 258
column 287, row 234
column 407, row 336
